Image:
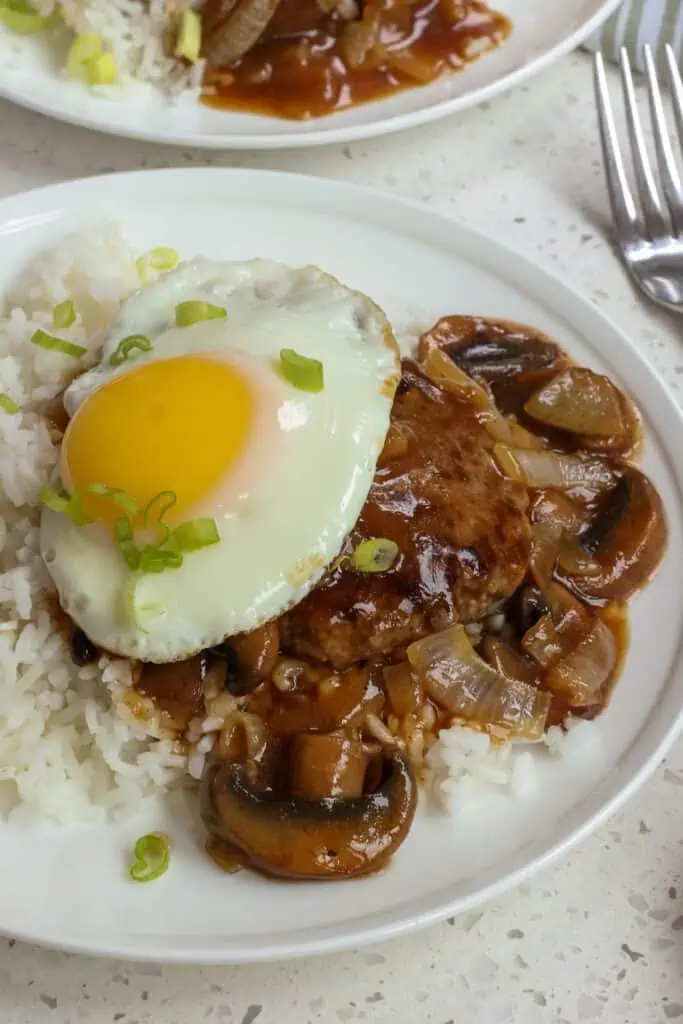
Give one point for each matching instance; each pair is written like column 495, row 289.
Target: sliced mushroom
column 525, row 608
column 232, row 27
column 177, row 689
column 512, row 358
column 626, row 539
column 248, row 659
column 338, row 701
column 325, row 765
column 296, row 838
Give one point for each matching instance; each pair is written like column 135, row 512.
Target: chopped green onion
column 88, row 61
column 189, row 41
column 70, row 504
column 127, row 345
column 127, row 546
column 192, row 312
column 157, row 559
column 195, row 534
column 84, row 50
column 103, row 70
column 152, row 856
column 21, row 17
column 64, row 315
column 375, row 555
column 166, row 500
column 52, row 344
column 304, row 373
column 8, row 404
column 128, row 504
column 58, row 501
column 156, row 259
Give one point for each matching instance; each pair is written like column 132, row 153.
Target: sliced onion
column 508, row 662
column 403, row 689
column 455, row 676
column 545, row 545
column 580, row 675
column 409, row 64
column 441, row 369
column 579, row 401
column 575, row 647
column 557, row 507
column 359, row 40
column 233, row 36
column 559, row 631
column 553, row 469
column 543, row 642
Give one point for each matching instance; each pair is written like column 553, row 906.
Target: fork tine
column 623, row 206
column 655, row 221
column 676, row 90
column 668, row 172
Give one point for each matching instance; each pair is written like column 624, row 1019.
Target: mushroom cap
column 295, row 838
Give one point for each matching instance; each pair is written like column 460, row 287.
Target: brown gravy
column 300, row 74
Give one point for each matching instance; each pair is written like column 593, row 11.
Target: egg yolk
column 176, row 425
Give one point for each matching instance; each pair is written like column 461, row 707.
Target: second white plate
column 543, row 30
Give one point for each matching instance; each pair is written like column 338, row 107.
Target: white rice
column 71, row 749
column 133, row 31
column 465, row 764
column 67, row 752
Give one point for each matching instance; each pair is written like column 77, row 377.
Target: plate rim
column 45, row 208
column 326, row 136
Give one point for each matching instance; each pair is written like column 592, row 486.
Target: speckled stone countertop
column 599, row 937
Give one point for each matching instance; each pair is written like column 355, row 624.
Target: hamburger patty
column 461, row 528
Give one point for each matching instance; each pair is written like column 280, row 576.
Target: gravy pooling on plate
column 314, row 57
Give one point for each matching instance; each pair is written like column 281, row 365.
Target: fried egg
column 208, row 415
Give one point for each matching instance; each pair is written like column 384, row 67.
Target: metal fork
column 649, row 230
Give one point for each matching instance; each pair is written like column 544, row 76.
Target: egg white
column 298, row 496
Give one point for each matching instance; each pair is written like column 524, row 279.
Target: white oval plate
column 543, row 30
column 68, row 887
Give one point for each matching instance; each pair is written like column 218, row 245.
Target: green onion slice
column 59, row 500
column 85, row 49
column 72, row 504
column 103, row 70
column 157, row 559
column 375, row 555
column 189, row 41
column 194, row 535
column 158, row 260
column 192, row 312
column 130, row 552
column 21, row 17
column 152, row 857
column 124, row 348
column 8, row 404
column 64, row 315
column 128, row 504
column 52, row 344
column 165, row 500
column 304, row 373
